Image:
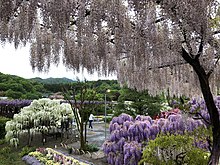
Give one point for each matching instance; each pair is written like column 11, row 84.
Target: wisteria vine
column 129, row 135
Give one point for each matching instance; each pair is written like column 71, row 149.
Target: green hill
column 16, row 87
column 51, row 80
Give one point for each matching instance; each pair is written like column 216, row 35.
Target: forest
column 17, row 88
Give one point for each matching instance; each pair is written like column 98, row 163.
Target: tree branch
column 200, row 117
column 212, row 69
column 160, row 20
column 181, row 156
column 200, row 46
column 216, row 32
column 210, row 143
column 187, row 57
column 214, row 43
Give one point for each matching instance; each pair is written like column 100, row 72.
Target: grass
column 10, row 155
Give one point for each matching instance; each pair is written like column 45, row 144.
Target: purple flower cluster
column 15, row 103
column 31, row 160
column 132, row 152
column 127, row 135
column 198, row 106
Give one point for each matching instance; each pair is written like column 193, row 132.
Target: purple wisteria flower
column 128, row 136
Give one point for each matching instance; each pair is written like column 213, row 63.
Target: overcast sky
column 16, row 62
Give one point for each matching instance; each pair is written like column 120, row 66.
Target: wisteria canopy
column 140, row 40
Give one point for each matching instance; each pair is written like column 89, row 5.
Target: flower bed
column 49, row 156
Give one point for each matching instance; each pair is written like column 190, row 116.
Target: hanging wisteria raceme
column 128, row 136
column 41, row 116
column 198, row 107
column 10, row 107
column 15, row 103
column 142, row 41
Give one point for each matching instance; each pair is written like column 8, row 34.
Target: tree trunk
column 210, row 104
column 29, row 138
column 82, row 142
column 215, row 153
column 213, row 112
column 85, row 132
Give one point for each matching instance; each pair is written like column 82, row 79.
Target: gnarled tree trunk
column 210, row 104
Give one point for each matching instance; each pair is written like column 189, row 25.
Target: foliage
column 128, row 136
column 26, row 150
column 91, row 148
column 16, row 87
column 6, row 150
column 99, row 86
column 9, row 156
column 44, row 116
column 173, row 149
column 108, row 119
column 2, row 141
column 135, row 103
column 3, row 121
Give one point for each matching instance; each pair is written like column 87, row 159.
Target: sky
column 16, row 62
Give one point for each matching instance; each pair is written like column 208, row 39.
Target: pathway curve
column 95, row 137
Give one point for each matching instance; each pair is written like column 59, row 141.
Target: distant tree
column 3, row 86
column 32, row 95
column 27, row 86
column 141, row 103
column 16, row 87
column 13, row 94
column 83, row 102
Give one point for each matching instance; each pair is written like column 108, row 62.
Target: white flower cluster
column 43, row 115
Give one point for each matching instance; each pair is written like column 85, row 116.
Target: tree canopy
column 143, row 41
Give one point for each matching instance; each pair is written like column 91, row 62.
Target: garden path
column 95, row 137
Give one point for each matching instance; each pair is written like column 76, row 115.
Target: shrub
column 108, row 119
column 91, row 147
column 5, row 150
column 3, row 121
column 173, row 149
column 26, row 150
column 2, row 141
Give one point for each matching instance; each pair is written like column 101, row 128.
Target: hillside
column 51, row 80
column 16, row 87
